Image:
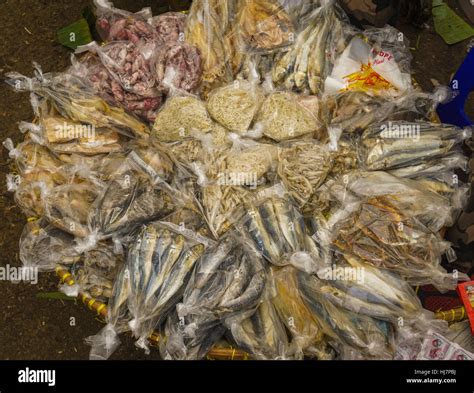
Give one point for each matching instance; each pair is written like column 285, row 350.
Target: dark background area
column 37, row 328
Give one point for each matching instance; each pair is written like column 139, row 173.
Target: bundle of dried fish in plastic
column 285, row 115
column 232, row 177
column 225, row 288
column 350, row 282
column 160, row 262
column 205, row 29
column 392, row 223
column 303, row 166
column 400, row 144
column 182, row 116
column 306, row 64
column 94, row 282
column 135, row 194
column 44, row 246
column 263, row 26
column 74, row 100
column 353, row 111
column 271, row 221
column 63, row 136
column 263, row 334
column 351, row 333
column 106, row 341
column 298, row 9
column 68, row 207
column 235, row 106
column 306, row 334
column 427, row 152
column 38, row 172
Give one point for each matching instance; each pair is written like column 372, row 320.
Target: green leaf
column 450, row 26
column 75, row 34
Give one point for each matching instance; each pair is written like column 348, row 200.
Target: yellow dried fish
column 298, row 319
column 263, row 25
column 205, row 28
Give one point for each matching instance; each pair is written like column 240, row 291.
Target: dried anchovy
column 180, row 117
column 283, row 117
column 235, row 106
column 303, row 167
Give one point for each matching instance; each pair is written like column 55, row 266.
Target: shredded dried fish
column 180, row 117
column 235, row 106
column 283, row 117
column 303, row 167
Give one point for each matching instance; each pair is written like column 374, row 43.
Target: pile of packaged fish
column 254, row 172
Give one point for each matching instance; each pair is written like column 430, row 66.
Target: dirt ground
column 36, row 328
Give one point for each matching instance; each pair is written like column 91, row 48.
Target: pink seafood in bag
column 178, row 66
column 169, row 26
column 101, row 80
column 114, row 24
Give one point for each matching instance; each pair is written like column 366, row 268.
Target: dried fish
column 180, row 118
column 283, row 117
column 263, row 26
column 303, row 167
column 235, row 106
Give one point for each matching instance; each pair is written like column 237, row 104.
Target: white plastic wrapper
column 368, row 68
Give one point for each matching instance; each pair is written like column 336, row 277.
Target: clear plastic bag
column 303, row 166
column 306, row 64
column 68, row 207
column 205, row 29
column 272, row 223
column 379, row 66
column 392, row 223
column 160, row 262
column 43, row 246
column 90, row 68
column 263, row 26
column 226, row 286
column 178, row 66
column 232, row 177
column 127, row 64
column 372, row 338
column 169, row 26
column 135, row 194
column 106, row 341
column 235, row 106
column 114, row 24
column 30, row 156
column 180, row 117
column 74, row 100
column 305, row 330
column 398, row 144
column 94, row 282
column 263, row 334
column 63, row 136
column 285, row 115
